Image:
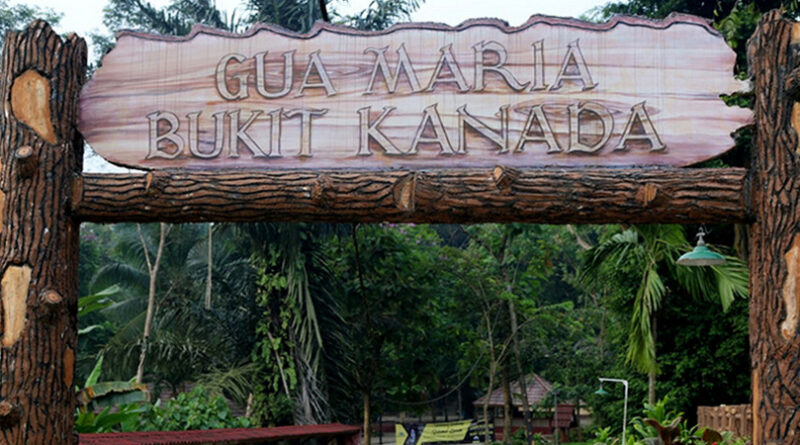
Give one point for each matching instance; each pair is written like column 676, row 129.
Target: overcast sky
column 86, row 16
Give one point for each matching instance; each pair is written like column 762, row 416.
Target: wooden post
column 775, row 236
column 40, row 152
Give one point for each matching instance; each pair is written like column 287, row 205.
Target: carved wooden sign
column 552, row 91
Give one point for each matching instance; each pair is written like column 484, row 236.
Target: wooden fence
column 735, row 418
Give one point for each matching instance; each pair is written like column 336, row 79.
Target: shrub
column 195, row 410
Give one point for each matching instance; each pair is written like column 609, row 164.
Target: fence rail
column 735, row 418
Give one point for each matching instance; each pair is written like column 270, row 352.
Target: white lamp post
column 625, row 409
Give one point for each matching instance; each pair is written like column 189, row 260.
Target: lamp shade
column 701, row 255
column 601, row 392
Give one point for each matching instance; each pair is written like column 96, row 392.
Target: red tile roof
column 537, row 389
column 225, row 436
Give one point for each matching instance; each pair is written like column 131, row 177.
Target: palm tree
column 292, row 253
column 298, row 254
column 651, row 251
column 178, row 345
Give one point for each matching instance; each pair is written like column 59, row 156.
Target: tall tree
column 284, row 250
column 19, row 15
column 184, row 340
column 175, row 19
column 296, row 303
column 704, row 8
column 382, row 13
column 394, row 305
column 152, row 271
column 651, row 250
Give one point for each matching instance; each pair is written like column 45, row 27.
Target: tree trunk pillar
column 40, row 153
column 775, row 237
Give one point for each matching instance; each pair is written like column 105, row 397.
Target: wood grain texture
column 677, row 68
column 38, row 233
column 775, row 169
column 469, row 196
column 30, row 103
column 14, row 293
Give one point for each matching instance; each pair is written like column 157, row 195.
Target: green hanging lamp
column 701, row 255
column 601, row 391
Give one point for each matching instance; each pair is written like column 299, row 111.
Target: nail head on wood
column 10, row 413
column 51, row 298
column 320, row 190
column 26, row 160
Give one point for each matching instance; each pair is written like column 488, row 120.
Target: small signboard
column 552, row 91
column 418, row 434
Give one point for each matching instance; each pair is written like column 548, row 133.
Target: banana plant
column 119, row 403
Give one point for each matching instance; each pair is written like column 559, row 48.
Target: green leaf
column 89, row 329
column 97, row 301
column 95, row 374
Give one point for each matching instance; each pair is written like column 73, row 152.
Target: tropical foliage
column 311, row 323
column 648, row 253
column 661, row 423
column 193, row 410
column 318, row 322
column 19, row 15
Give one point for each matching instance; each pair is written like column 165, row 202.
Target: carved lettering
column 498, row 138
column 305, row 127
column 502, row 56
column 288, row 75
column 275, row 133
column 403, row 65
column 536, row 114
column 315, row 64
column 369, row 130
column 431, row 117
column 574, row 68
column 222, row 82
column 238, row 133
column 649, row 134
column 171, row 135
column 606, row 121
column 219, row 126
column 538, row 66
column 456, row 76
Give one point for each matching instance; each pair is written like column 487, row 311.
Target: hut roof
column 537, row 389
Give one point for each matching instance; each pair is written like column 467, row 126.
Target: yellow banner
column 431, row 432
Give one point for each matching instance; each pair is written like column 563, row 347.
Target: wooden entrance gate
column 45, row 196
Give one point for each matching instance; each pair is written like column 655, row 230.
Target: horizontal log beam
column 556, row 196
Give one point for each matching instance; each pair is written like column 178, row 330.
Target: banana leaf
column 114, row 393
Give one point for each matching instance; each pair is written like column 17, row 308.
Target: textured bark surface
column 469, row 196
column 774, row 250
column 42, row 76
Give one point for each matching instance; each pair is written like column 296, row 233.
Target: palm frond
column 235, row 383
column 122, row 274
column 721, row 283
column 641, row 351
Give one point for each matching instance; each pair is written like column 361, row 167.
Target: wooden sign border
column 319, row 26
column 573, row 160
